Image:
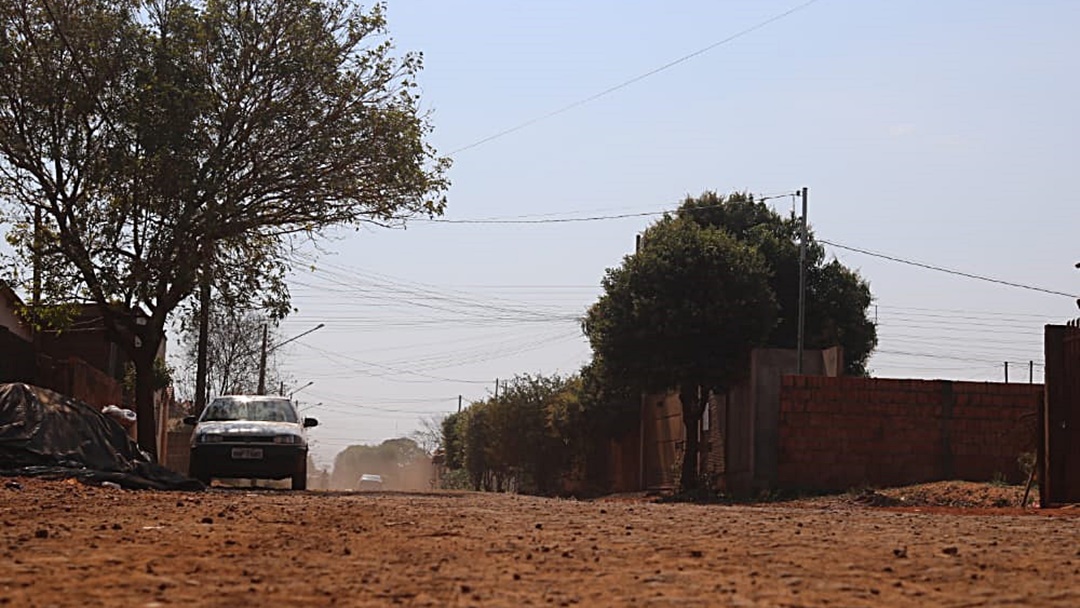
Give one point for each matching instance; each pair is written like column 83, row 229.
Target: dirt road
column 66, row 544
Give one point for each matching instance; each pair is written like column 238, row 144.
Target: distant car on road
column 250, row 437
column 369, row 481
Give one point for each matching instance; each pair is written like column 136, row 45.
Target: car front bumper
column 234, row 460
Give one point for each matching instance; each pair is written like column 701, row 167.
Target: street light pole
column 291, row 393
column 266, row 351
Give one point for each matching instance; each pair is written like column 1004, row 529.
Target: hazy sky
column 943, row 132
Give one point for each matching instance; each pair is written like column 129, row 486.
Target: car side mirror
column 191, row 420
column 310, row 422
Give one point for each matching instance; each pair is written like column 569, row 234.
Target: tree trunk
column 144, row 358
column 691, row 415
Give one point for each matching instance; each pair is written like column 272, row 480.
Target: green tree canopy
column 837, row 298
column 144, row 145
column 683, row 313
column 710, row 283
column 527, row 439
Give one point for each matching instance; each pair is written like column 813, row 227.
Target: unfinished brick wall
column 839, row 433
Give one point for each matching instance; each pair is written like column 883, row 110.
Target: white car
column 250, row 437
column 369, row 481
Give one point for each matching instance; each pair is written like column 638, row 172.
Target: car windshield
column 239, row 408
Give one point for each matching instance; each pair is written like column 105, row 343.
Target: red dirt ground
column 67, row 544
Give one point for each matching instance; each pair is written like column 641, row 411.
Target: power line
column 918, row 355
column 875, row 254
column 920, row 310
column 590, row 218
column 626, row 83
column 553, row 220
column 883, row 256
column 959, row 273
column 390, row 371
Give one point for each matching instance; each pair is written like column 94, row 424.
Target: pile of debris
column 44, row 433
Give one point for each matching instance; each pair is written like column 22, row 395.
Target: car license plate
column 247, row 453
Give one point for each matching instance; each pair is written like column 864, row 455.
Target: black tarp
column 44, row 433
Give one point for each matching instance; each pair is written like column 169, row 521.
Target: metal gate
column 1059, row 440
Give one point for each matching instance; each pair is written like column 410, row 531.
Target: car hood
column 247, row 427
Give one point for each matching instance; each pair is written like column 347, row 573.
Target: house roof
column 9, row 293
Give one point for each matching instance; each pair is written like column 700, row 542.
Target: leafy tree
column 148, row 146
column 610, row 409
column 683, row 313
column 528, row 439
column 479, row 447
column 453, row 439
column 527, row 420
column 837, row 298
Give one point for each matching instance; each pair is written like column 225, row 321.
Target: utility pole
column 459, row 404
column 202, row 347
column 802, row 285
column 262, row 364
column 1006, row 372
column 35, row 297
column 496, row 388
column 1031, row 372
column 266, row 350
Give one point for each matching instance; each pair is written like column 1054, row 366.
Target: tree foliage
column 837, row 298
column 683, row 313
column 167, row 141
column 684, row 307
column 453, row 439
column 526, row 439
column 710, row 283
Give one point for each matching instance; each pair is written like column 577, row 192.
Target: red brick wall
column 839, row 433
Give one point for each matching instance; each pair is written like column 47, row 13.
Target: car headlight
column 208, row 438
column 287, row 439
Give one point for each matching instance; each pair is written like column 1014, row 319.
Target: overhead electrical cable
column 933, row 267
column 635, row 79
